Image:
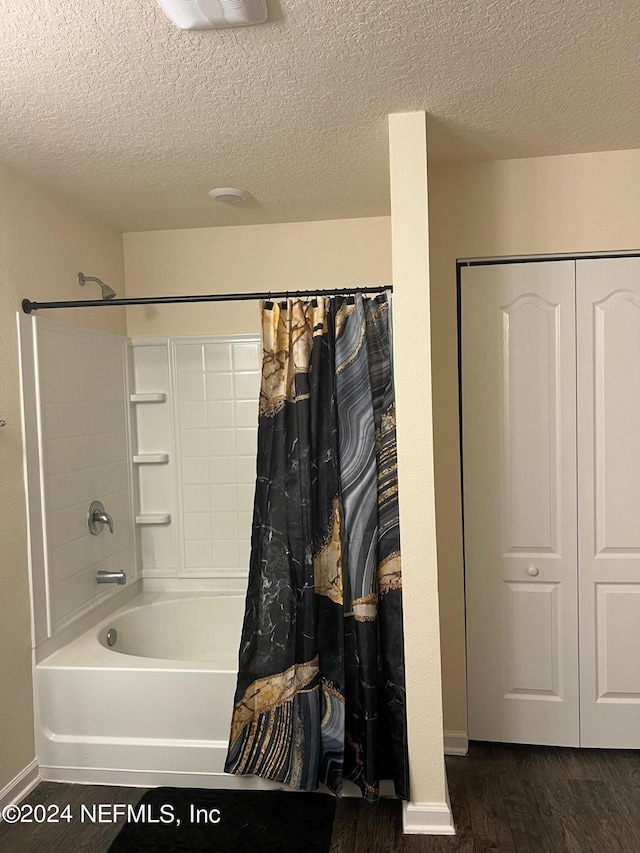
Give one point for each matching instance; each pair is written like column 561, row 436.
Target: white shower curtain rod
column 28, row 306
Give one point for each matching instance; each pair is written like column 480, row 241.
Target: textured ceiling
column 135, row 120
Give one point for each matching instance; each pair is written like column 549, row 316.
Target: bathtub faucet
column 111, row 577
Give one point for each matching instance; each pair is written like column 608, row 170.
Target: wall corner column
column 429, row 810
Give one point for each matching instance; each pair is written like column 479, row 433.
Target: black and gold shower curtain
column 321, row 690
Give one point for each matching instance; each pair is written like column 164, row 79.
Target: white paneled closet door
column 608, row 319
column 519, row 462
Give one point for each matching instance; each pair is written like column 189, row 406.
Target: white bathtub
column 153, row 710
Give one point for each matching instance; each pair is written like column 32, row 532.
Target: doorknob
column 533, row 571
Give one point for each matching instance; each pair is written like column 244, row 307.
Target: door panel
column 519, row 462
column 608, row 312
column 532, row 619
column 530, row 408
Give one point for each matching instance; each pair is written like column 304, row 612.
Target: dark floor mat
column 183, row 820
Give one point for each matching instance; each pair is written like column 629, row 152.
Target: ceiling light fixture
column 215, row 14
column 228, row 195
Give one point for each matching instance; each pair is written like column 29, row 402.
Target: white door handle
column 533, row 571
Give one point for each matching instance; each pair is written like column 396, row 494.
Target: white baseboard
column 456, row 743
column 20, row 786
column 427, row 819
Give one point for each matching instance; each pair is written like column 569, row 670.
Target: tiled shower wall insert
column 217, row 383
column 213, row 398
column 83, row 434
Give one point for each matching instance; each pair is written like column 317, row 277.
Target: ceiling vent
column 215, row 14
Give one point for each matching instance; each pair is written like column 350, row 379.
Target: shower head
column 107, row 292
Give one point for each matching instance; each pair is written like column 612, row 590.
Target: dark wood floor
column 504, row 798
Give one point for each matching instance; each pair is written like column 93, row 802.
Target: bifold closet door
column 519, row 462
column 608, row 314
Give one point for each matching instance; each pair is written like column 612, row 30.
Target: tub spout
column 111, row 577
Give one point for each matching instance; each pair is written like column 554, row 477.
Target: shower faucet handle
column 97, row 517
column 104, row 518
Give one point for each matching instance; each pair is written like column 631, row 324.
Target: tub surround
column 217, row 384
column 84, row 447
column 195, row 425
column 75, row 391
column 152, row 432
column 164, row 434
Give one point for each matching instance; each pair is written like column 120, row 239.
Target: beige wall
column 577, row 203
column 245, row 259
column 44, row 243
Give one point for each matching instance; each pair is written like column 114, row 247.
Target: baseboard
column 427, row 819
column 19, row 787
column 456, row 743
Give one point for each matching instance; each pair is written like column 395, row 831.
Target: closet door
column 608, row 311
column 519, row 462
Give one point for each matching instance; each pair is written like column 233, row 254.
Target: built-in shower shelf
column 151, row 458
column 157, row 518
column 158, row 397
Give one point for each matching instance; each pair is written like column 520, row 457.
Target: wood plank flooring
column 504, row 798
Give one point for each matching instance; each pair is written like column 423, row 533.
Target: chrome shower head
column 107, row 292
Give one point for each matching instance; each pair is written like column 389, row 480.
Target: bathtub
column 153, row 709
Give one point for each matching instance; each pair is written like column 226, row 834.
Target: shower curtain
column 321, row 693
